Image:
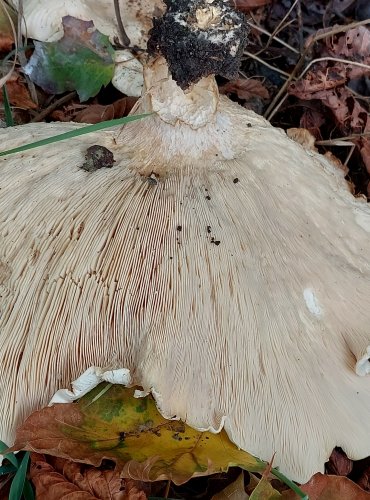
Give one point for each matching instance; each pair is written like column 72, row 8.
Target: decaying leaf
column 56, row 479
column 96, row 113
column 339, row 464
column 350, row 115
column 323, row 487
column 245, row 88
column 353, row 45
column 6, row 29
column 264, row 489
column 247, row 5
column 235, row 491
column 82, row 60
column 303, row 137
column 18, row 93
column 132, row 433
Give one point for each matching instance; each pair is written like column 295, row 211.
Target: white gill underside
column 112, row 270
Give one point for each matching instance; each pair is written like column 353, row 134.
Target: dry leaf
column 235, row 491
column 131, row 432
column 18, row 93
column 56, row 478
column 245, row 88
column 353, row 45
column 303, row 137
column 322, row 487
column 6, row 31
column 247, row 5
column 339, row 464
column 96, row 113
column 264, row 489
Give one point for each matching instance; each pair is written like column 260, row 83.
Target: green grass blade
column 17, row 486
column 28, row 491
column 9, row 456
column 290, row 483
column 7, row 109
column 7, row 469
column 75, row 133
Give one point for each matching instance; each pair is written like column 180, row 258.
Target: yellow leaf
column 132, row 433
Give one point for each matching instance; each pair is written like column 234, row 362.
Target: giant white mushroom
column 227, row 267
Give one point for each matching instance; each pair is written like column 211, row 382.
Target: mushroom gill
column 218, row 260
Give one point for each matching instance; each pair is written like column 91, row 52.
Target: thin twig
column 271, row 110
column 349, row 154
column 121, row 30
column 277, row 39
column 347, row 138
column 22, row 55
column 300, row 26
column 334, row 59
column 49, row 109
column 280, row 26
column 261, row 61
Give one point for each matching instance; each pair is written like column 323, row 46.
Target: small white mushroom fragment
column 223, row 264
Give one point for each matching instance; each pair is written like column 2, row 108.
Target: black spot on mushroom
column 97, row 157
column 236, row 180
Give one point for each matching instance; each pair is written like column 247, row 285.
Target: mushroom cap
column 221, row 263
column 43, row 19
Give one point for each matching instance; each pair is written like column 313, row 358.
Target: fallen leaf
column 82, row 60
column 18, row 93
column 264, row 489
column 353, row 45
column 303, row 137
column 131, row 432
column 312, row 120
column 56, row 479
column 235, row 491
column 96, row 113
column 339, row 464
column 323, row 487
column 6, row 30
column 247, row 5
column 245, row 88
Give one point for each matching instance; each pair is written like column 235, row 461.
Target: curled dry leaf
column 18, row 93
column 245, row 88
column 131, row 432
column 96, row 113
column 339, row 464
column 323, row 487
column 56, row 479
column 303, row 137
